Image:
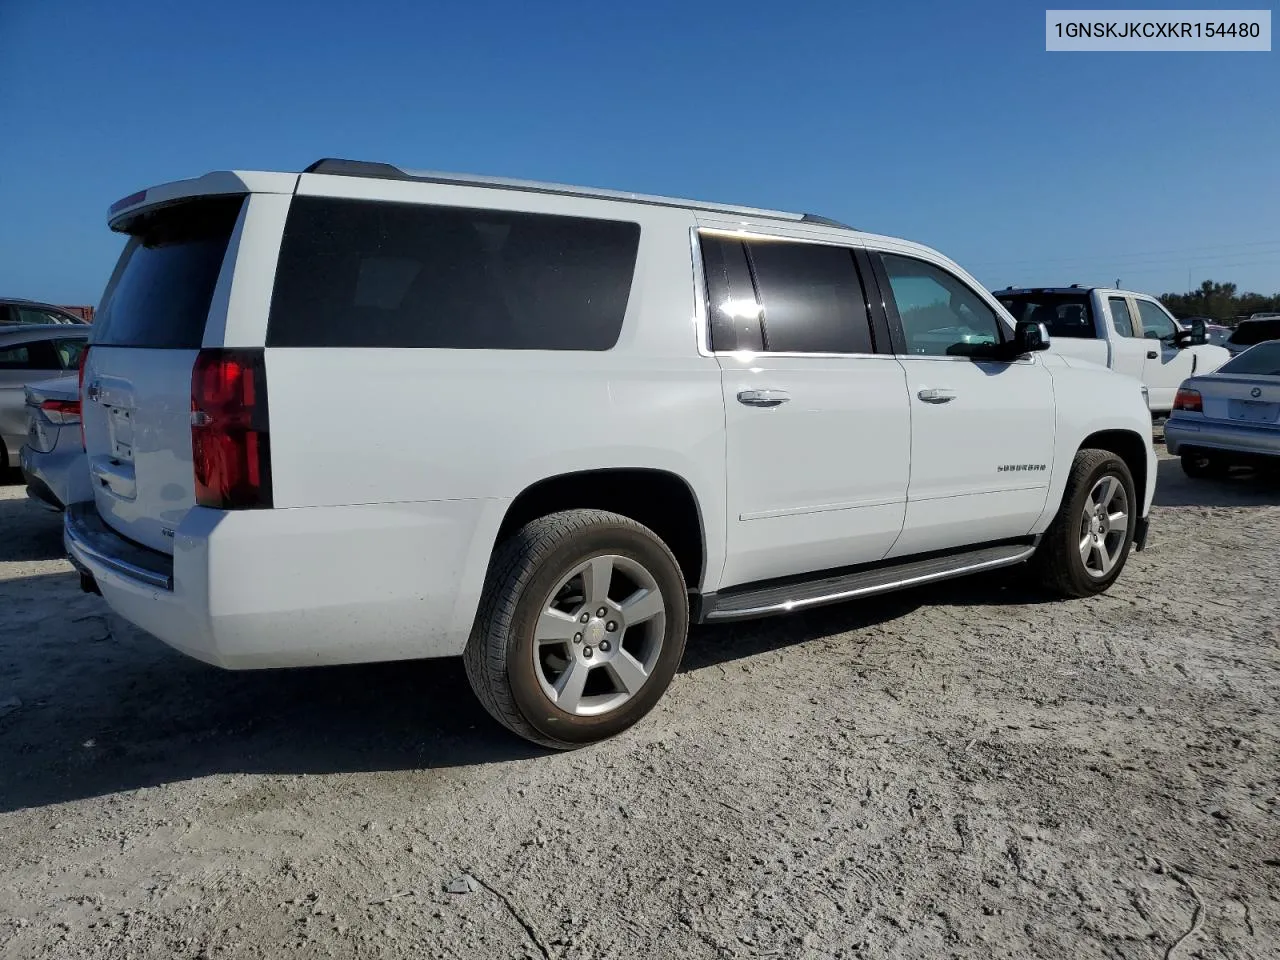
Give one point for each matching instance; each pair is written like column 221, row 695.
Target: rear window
column 358, row 274
column 1250, row 332
column 1067, row 315
column 160, row 292
column 1262, row 360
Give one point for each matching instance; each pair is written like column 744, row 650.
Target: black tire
column 1058, row 563
column 1204, row 465
column 525, row 569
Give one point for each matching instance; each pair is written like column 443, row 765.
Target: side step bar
column 775, row 598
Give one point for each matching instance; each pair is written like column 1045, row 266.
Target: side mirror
column 1195, row 336
column 1028, row 337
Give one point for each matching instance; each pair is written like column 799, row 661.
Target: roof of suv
column 239, row 181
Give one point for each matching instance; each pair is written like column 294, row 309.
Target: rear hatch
column 137, row 376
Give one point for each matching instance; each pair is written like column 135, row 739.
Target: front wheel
column 580, row 630
column 1087, row 545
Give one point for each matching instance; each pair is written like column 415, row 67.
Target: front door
column 1166, row 366
column 982, row 432
column 818, row 424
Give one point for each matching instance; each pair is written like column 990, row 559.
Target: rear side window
column 34, row 315
column 354, row 273
column 1120, row 316
column 731, row 296
column 1065, row 314
column 812, row 298
column 36, row 355
column 160, row 292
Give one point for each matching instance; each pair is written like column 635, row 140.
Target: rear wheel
column 1087, row 545
column 580, row 630
column 1201, row 465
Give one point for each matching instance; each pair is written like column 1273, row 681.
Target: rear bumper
column 299, row 587
column 55, row 478
column 1181, row 434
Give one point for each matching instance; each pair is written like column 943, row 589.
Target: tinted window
column 160, row 292
column 734, row 312
column 1262, row 360
column 941, row 315
column 359, row 274
column 38, row 355
column 812, row 298
column 69, row 353
column 1156, row 324
column 1065, row 314
column 36, row 315
column 1250, row 332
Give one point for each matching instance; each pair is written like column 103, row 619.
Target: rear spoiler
column 221, row 182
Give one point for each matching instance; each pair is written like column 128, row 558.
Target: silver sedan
column 1230, row 416
column 29, row 354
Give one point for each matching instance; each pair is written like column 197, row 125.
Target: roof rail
column 387, row 171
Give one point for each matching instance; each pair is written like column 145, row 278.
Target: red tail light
column 63, row 411
column 1188, row 400
column 84, row 356
column 230, row 449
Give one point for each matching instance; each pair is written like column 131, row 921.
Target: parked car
column 52, row 459
column 1231, row 416
column 29, row 353
column 33, row 313
column 1216, row 334
column 1131, row 333
column 1251, row 332
column 546, row 428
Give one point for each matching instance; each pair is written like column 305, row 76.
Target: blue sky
column 940, row 122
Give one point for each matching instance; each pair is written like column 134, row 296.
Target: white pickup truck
column 1132, row 333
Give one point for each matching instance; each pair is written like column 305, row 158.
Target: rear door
column 137, row 379
column 1128, row 351
column 20, row 364
column 982, row 431
column 1165, row 365
column 818, row 424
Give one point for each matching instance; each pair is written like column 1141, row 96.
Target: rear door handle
column 936, row 396
column 1151, row 354
column 763, row 398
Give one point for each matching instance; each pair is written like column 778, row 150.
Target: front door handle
column 936, row 396
column 763, row 398
column 1151, row 354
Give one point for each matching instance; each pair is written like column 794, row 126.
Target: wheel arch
column 1129, row 446
column 659, row 499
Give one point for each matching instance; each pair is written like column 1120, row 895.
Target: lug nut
column 601, row 612
column 585, row 617
column 577, row 638
column 611, row 626
column 586, row 652
column 604, row 645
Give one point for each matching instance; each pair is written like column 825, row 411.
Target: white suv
column 362, row 413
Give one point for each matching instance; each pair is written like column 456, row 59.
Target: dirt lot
column 964, row 771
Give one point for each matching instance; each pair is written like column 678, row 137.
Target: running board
column 761, row 601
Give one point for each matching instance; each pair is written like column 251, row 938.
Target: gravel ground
column 963, row 771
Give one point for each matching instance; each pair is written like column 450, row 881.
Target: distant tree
column 1218, row 301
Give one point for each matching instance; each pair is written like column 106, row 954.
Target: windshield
column 1255, row 331
column 1217, row 335
column 1260, row 361
column 1065, row 314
